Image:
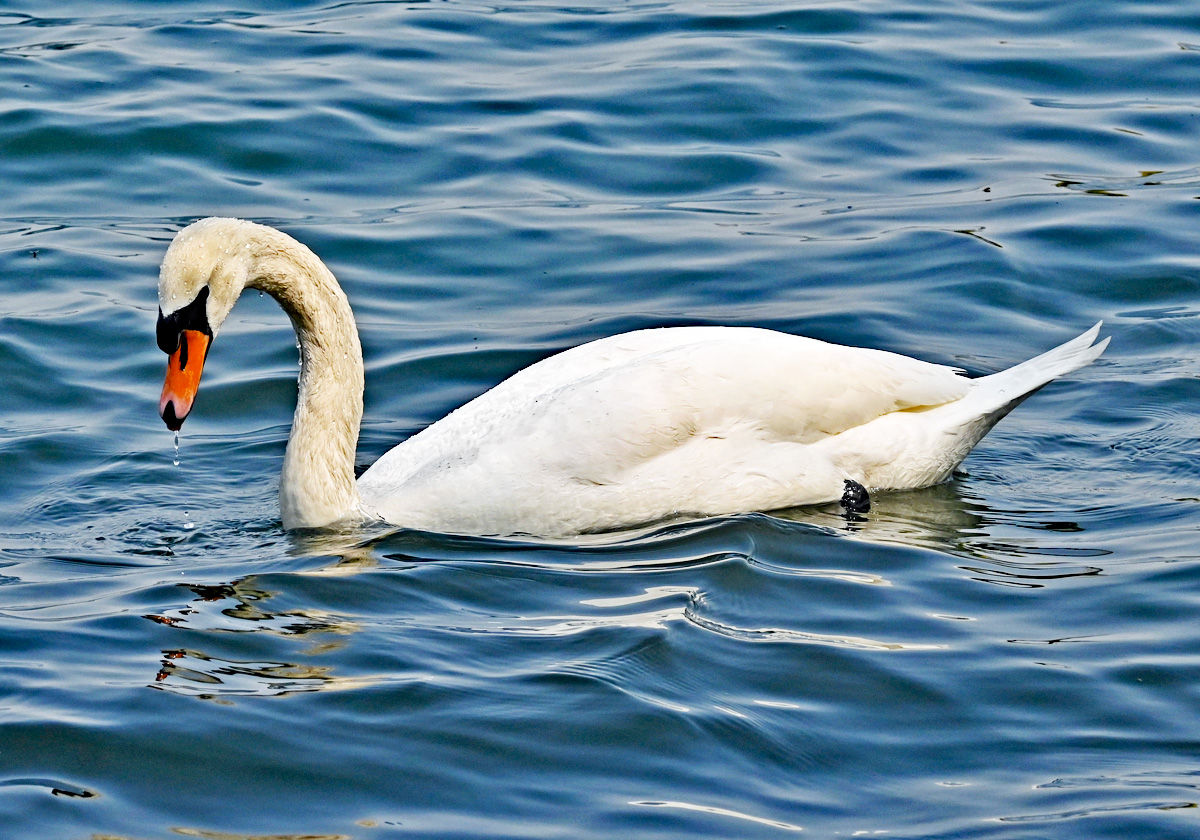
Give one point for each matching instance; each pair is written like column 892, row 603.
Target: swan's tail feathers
column 1000, row 393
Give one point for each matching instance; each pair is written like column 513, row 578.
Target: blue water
column 1010, row 655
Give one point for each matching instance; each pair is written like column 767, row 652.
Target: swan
column 619, row 432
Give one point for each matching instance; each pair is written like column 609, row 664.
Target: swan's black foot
column 855, row 498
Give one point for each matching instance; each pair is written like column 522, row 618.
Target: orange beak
column 183, row 378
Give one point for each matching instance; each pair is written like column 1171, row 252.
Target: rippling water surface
column 1011, row 655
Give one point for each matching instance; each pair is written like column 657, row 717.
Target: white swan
column 619, row 432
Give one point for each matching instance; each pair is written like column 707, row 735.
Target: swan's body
column 619, row 432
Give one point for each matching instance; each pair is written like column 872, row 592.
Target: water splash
column 176, row 458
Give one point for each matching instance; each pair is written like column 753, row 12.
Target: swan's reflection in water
column 241, row 607
column 944, row 519
column 194, row 672
column 688, row 562
column 938, row 518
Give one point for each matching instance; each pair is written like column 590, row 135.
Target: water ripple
column 193, row 673
column 720, row 812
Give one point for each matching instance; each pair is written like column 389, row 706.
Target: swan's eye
column 191, row 317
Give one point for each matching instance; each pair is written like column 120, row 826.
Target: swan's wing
column 604, row 408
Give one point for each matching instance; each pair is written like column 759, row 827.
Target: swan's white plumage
column 618, row 432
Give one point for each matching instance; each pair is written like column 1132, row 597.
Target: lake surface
column 1012, row 654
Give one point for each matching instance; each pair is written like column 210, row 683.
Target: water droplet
column 188, row 524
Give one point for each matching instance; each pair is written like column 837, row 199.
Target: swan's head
column 204, row 271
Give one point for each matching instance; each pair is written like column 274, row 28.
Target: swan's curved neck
column 317, row 486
